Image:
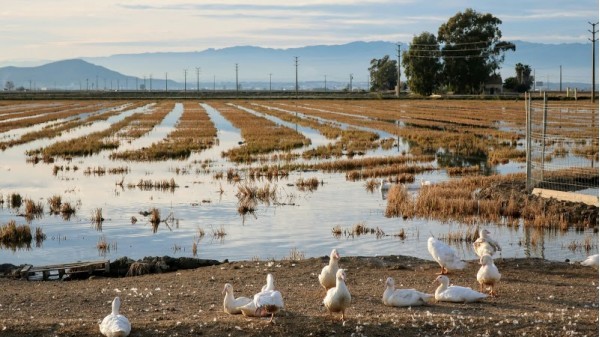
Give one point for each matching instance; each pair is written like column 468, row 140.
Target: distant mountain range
column 331, row 65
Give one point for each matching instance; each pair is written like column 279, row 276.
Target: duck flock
column 337, row 299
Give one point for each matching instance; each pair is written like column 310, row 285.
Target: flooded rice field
column 247, row 180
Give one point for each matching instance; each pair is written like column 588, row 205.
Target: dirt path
column 536, row 298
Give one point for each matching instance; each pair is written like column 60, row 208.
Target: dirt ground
column 536, row 298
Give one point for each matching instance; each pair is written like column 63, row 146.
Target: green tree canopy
column 384, row 73
column 523, row 80
column 472, row 50
column 422, row 64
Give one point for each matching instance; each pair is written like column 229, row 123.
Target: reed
column 55, row 202
column 97, row 218
column 194, row 249
column 155, row 217
column 67, row 211
column 295, row 255
column 219, row 233
column 336, row 231
column 33, row 210
column 193, row 132
column 12, row 235
column 15, row 200
column 309, row 184
column 39, row 237
column 401, row 234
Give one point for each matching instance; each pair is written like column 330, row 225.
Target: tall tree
column 522, row 81
column 384, row 73
column 422, row 65
column 472, row 50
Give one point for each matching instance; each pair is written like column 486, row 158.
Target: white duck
column 488, row 274
column 425, row 182
column 591, row 261
column 384, row 187
column 231, row 305
column 485, row 245
column 338, row 298
column 115, row 325
column 268, row 301
column 403, row 297
column 327, row 276
column 270, row 283
column 445, row 293
column 444, row 255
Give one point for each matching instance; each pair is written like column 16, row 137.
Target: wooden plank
column 567, row 196
column 25, row 271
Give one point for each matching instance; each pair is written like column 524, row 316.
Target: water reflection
column 304, row 219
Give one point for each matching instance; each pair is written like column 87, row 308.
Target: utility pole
column 184, row 80
column 593, row 31
column 296, row 62
column 399, row 84
column 237, row 86
column 325, row 82
column 198, row 78
column 150, row 82
column 560, row 80
column 351, row 77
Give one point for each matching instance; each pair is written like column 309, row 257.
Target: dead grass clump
column 39, row 237
column 102, row 245
column 401, row 234
column 15, row 200
column 337, row 231
column 310, row 184
column 361, row 229
column 55, row 202
column 459, row 236
column 155, row 217
column 14, row 236
column 139, row 268
column 194, row 249
column 33, row 210
column 399, row 202
column 295, row 255
column 371, row 185
column 219, row 233
column 460, row 171
column 97, row 218
column 67, row 210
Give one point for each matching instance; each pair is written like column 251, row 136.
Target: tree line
column 465, row 55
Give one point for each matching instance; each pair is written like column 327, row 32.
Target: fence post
column 544, row 122
column 528, row 138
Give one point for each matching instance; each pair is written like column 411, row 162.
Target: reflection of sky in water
column 305, row 223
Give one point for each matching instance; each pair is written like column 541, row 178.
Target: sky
column 61, row 29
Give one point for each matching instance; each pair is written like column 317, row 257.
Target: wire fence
column 562, row 146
